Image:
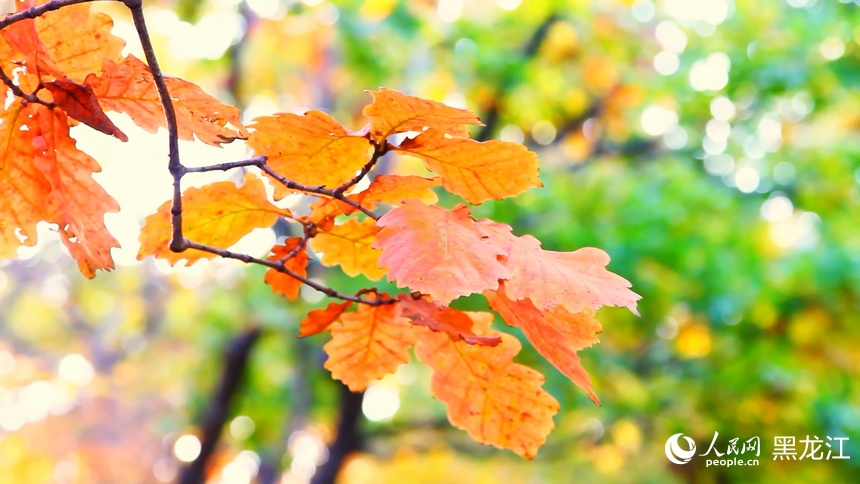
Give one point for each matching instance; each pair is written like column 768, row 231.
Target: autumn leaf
column 477, row 171
column 129, row 88
column 348, row 245
column 319, row 320
column 44, row 177
column 80, row 103
column 394, row 112
column 218, row 215
column 394, row 189
column 556, row 334
column 78, row 41
column 284, row 284
column 577, row 280
column 313, row 149
column 368, row 344
column 439, row 252
column 497, row 401
column 391, row 189
column 454, row 322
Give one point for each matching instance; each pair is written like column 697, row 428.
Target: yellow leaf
column 476, row 171
column 348, row 245
column 218, row 215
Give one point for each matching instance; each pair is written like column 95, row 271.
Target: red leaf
column 320, row 319
column 80, row 102
column 448, row 320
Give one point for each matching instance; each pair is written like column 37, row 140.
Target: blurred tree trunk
column 349, row 438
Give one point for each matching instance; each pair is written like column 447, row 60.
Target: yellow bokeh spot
column 576, row 147
column 608, row 459
column 808, row 326
column 694, row 341
column 627, row 436
column 375, row 10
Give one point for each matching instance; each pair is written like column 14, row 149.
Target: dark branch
column 257, row 161
column 317, row 191
column 34, row 12
column 491, row 117
column 349, row 438
column 236, row 359
column 177, row 242
column 249, row 259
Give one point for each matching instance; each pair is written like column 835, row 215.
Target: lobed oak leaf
column 454, row 322
column 577, row 280
column 557, row 334
column 44, row 177
column 497, row 401
column 394, row 189
column 394, row 112
column 80, row 103
column 23, row 46
column 78, row 40
column 313, row 149
column 477, row 171
column 439, row 252
column 218, row 214
column 368, row 344
column 319, row 320
column 129, row 88
column 348, row 245
column 284, row 284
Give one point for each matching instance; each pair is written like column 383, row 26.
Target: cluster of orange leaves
column 71, row 62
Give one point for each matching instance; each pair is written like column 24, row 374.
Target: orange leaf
column 320, row 319
column 474, row 170
column 455, row 323
column 79, row 41
column 348, row 245
column 129, row 88
column 285, row 284
column 44, row 177
column 437, row 251
column 557, row 334
column 395, row 189
column 394, row 112
column 577, row 280
column 218, row 215
column 80, row 102
column 497, row 401
column 368, row 344
column 312, row 149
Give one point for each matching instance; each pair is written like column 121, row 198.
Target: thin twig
column 378, row 152
column 249, row 259
column 318, row 191
column 257, row 161
column 16, row 90
column 34, row 12
column 177, row 242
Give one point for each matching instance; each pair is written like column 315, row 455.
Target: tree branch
column 40, row 10
column 249, row 259
column 177, row 242
column 491, row 117
column 236, row 359
column 349, row 438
